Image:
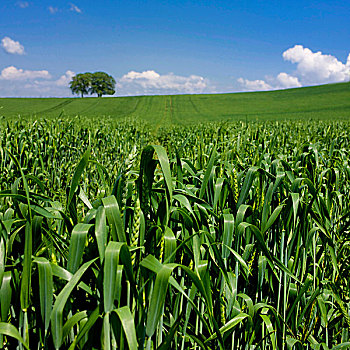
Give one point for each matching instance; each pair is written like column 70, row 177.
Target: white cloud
column 23, row 4
column 150, row 82
column 12, row 46
column 16, row 82
column 316, row 67
column 282, row 81
column 285, row 81
column 52, row 9
column 75, row 8
column 65, row 78
column 254, row 85
column 312, row 68
column 13, row 73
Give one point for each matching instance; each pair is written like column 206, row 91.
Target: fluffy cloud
column 65, row 78
column 16, row 82
column 285, row 81
column 254, row 85
column 13, row 73
column 23, row 4
column 75, row 8
column 11, row 46
column 150, row 82
column 52, row 9
column 312, row 68
column 282, row 81
column 316, row 67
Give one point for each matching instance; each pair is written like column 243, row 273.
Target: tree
column 102, row 84
column 81, row 84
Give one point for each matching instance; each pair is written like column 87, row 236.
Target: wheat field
column 114, row 235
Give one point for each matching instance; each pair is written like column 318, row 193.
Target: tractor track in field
column 89, row 107
column 197, row 110
column 134, row 109
column 168, row 109
column 194, row 106
column 52, row 109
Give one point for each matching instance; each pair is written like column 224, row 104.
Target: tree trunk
column 82, row 94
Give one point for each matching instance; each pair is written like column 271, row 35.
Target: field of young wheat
column 214, row 236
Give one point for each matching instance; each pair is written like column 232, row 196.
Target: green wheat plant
column 214, row 236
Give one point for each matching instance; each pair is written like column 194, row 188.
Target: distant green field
column 320, row 102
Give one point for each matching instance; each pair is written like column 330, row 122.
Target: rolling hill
column 318, row 102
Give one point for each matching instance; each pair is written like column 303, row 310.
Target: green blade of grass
column 93, row 317
column 77, row 246
column 45, row 289
column 72, row 321
column 5, row 296
column 127, row 321
column 101, row 232
column 207, row 173
column 77, row 175
column 11, row 331
column 110, row 275
column 157, row 299
column 57, row 311
column 114, row 218
column 27, row 267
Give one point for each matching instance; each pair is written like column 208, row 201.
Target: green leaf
column 207, row 173
column 114, row 218
column 77, row 246
column 5, row 296
column 164, row 164
column 229, row 225
column 270, row 258
column 11, row 331
column 272, row 331
column 157, row 300
column 72, row 321
column 93, row 317
column 101, row 232
column 45, row 289
column 230, row 325
column 77, row 175
column 109, row 274
column 57, row 311
column 106, row 333
column 247, row 184
column 2, row 257
column 128, row 324
column 166, row 343
column 273, row 218
column 169, row 245
column 303, row 290
column 342, row 346
column 27, row 267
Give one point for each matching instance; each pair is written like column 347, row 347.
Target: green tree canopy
column 80, row 84
column 102, row 84
column 99, row 83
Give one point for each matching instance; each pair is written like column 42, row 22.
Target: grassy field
column 208, row 236
column 176, row 222
column 320, row 102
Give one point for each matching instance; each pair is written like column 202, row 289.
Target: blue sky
column 161, row 47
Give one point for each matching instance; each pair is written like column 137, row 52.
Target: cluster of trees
column 99, row 83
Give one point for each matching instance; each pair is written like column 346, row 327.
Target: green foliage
column 102, row 84
column 99, row 83
column 212, row 236
column 80, row 84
